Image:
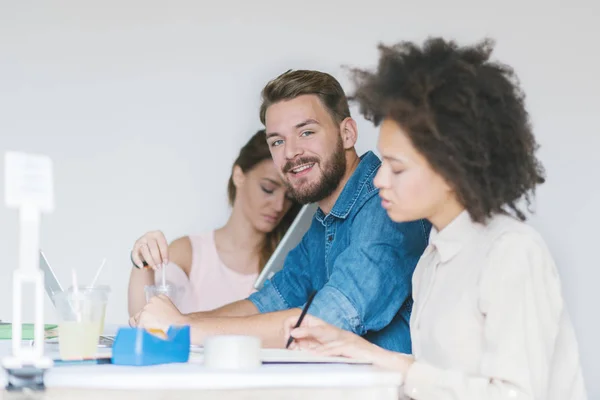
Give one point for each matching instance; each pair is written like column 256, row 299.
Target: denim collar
column 362, row 175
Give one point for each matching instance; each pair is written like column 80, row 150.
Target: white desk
column 179, row 381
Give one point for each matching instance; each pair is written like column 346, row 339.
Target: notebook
column 284, row 356
column 6, row 331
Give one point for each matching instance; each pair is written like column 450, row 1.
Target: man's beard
column 333, row 172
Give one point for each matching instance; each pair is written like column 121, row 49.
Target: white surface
column 195, row 376
column 143, row 106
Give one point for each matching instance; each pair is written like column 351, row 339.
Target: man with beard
column 357, row 259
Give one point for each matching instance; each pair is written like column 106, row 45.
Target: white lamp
column 29, row 187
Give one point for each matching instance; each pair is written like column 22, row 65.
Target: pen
column 310, row 299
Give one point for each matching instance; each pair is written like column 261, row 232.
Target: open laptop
column 52, row 286
column 51, row 283
column 292, row 237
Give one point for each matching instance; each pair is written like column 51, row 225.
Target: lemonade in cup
column 80, row 317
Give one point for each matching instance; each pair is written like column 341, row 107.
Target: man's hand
column 159, row 313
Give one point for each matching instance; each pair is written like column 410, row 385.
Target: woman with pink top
column 220, row 267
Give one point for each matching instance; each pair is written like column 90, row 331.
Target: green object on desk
column 6, row 331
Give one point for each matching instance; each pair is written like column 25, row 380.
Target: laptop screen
column 50, row 282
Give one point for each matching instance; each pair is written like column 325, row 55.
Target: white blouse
column 489, row 320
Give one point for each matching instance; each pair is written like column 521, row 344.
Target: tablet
column 292, row 237
column 51, row 284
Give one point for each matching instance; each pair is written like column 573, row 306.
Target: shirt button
column 330, row 238
column 414, row 391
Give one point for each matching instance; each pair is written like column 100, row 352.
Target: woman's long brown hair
column 254, row 152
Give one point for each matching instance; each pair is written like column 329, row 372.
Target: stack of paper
column 283, row 356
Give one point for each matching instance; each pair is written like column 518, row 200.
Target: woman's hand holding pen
column 324, row 339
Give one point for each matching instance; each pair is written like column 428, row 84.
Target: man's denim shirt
column 359, row 260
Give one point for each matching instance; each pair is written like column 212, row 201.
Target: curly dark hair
column 464, row 113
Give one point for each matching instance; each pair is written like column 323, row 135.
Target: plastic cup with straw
column 162, row 288
column 99, row 292
column 79, row 317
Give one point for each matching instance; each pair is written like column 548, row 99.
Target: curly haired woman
column 489, row 320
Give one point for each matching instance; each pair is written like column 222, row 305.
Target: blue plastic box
column 136, row 346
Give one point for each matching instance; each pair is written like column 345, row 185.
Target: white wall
column 144, row 104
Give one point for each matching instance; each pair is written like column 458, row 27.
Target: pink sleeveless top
column 211, row 283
